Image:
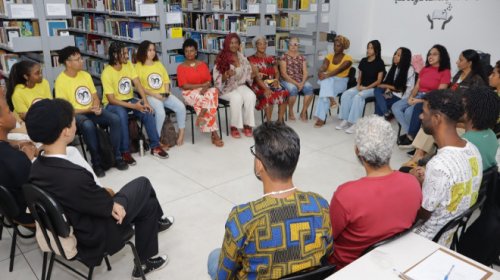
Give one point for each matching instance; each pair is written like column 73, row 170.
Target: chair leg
column 44, row 265
column 227, row 121
column 108, row 265
column 298, row 102
column 364, row 108
column 82, row 145
column 220, row 129
column 51, row 265
column 262, row 115
column 312, row 107
column 192, row 127
column 137, row 261
column 1, row 226
column 91, row 271
column 13, row 250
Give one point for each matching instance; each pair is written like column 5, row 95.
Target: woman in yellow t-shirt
column 26, row 86
column 332, row 78
column 154, row 78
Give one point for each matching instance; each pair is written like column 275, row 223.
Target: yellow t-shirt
column 153, row 77
column 332, row 67
column 24, row 97
column 118, row 83
column 77, row 91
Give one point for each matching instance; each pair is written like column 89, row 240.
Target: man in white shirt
column 454, row 174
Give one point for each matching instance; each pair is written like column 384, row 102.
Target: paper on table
column 438, row 264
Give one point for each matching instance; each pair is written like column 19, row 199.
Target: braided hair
column 481, row 106
column 115, row 52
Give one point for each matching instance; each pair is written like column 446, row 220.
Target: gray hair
column 257, row 39
column 374, row 138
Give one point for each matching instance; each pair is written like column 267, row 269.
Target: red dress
column 265, row 65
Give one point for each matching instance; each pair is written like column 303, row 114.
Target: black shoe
column 405, row 143
column 401, row 138
column 388, row 116
column 120, row 164
column 99, row 172
column 411, row 153
column 151, row 265
column 165, row 223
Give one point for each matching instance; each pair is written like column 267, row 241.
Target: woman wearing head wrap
column 231, row 73
column 333, row 78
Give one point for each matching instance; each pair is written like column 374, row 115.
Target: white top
column 451, row 185
column 410, row 83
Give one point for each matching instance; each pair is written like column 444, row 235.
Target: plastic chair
column 190, row 111
column 9, row 209
column 50, row 216
column 458, row 224
column 314, row 273
column 488, row 184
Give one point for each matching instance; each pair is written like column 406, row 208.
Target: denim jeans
column 86, row 124
column 147, row 118
column 415, row 120
column 353, row 103
column 294, row 91
column 381, row 103
column 173, row 103
column 213, row 263
column 403, row 113
column 330, row 87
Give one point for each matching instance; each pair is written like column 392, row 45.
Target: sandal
column 235, row 133
column 217, row 141
column 333, row 103
column 247, row 130
column 319, row 123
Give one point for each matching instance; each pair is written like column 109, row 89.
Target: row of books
column 288, row 20
column 93, row 44
column 296, row 4
column 229, row 5
column 112, row 5
column 111, row 26
column 219, row 22
column 3, row 4
column 11, row 29
column 7, row 60
column 94, row 66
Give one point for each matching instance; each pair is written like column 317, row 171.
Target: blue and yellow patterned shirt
column 273, row 237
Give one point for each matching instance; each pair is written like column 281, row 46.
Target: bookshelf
column 309, row 21
column 30, row 30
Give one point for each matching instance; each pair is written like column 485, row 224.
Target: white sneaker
column 350, row 129
column 343, row 125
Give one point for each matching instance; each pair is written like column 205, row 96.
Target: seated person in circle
column 99, row 217
column 293, row 67
column 118, row 98
column 266, row 83
column 77, row 87
column 333, row 76
column 377, row 206
column 269, row 237
column 371, row 73
column 193, row 77
column 154, row 78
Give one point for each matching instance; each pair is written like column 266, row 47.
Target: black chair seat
column 314, row 273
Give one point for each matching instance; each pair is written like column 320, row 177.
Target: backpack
column 168, row 134
column 135, row 135
column 105, row 149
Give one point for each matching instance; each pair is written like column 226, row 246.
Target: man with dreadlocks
column 231, row 73
column 118, row 97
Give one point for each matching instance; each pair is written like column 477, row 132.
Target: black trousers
column 142, row 210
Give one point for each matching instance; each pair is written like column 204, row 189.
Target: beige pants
column 242, row 106
column 425, row 142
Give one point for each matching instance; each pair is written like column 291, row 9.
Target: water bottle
column 141, row 148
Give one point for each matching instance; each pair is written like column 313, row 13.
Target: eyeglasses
column 252, row 150
column 294, row 44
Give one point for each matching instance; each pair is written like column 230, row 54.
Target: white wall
column 395, row 23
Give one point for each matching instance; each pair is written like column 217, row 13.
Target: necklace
column 279, row 192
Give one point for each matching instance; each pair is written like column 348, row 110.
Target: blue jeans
column 86, row 124
column 213, row 263
column 330, row 87
column 403, row 113
column 147, row 118
column 353, row 103
column 415, row 121
column 173, row 103
column 294, row 91
column 381, row 103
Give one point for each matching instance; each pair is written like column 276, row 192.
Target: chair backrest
column 49, row 215
column 315, row 273
column 8, row 205
column 392, row 237
column 459, row 223
column 352, row 78
column 488, row 183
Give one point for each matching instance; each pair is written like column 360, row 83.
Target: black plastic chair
column 190, row 111
column 8, row 210
column 391, row 238
column 223, row 104
column 458, row 224
column 488, row 184
column 314, row 273
column 50, row 216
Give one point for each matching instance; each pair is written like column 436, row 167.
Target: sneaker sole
column 149, row 272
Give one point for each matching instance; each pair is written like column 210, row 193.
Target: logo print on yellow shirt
column 83, row 96
column 155, row 81
column 124, row 86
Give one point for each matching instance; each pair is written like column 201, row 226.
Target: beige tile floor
column 199, row 184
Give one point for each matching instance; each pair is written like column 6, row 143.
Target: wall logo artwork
column 441, row 16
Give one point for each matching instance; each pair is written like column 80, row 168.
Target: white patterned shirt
column 452, row 180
